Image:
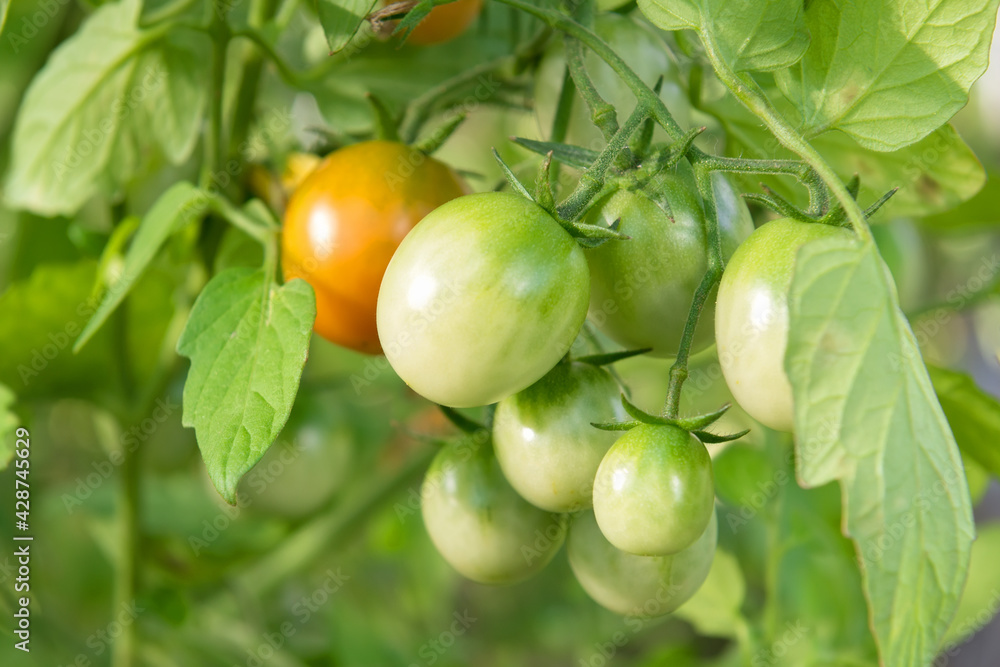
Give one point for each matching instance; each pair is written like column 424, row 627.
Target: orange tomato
column 344, row 222
column 445, row 22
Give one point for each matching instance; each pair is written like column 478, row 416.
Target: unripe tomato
column 544, row 440
column 641, row 288
column 751, row 318
column 345, row 221
column 641, row 49
column 654, row 491
column 478, row 522
column 482, row 299
column 637, row 586
column 445, row 22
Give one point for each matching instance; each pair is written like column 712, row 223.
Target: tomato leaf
column 934, row 174
column 889, row 73
column 750, row 35
column 974, row 416
column 981, row 598
column 8, row 424
column 174, row 208
column 866, row 414
column 247, row 339
column 341, row 19
column 106, row 96
column 981, row 210
column 573, row 156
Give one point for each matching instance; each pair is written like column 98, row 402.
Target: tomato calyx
column 587, row 235
column 694, row 425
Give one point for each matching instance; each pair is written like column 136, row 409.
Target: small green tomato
column 654, row 492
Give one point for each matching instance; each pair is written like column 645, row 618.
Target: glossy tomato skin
column 544, row 440
column 482, row 299
column 654, row 492
column 478, row 522
column 642, row 288
column 751, row 317
column 641, row 48
column 344, row 222
column 637, row 586
column 445, row 22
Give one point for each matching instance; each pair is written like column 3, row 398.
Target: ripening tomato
column 641, row 288
column 751, row 317
column 478, row 522
column 654, row 492
column 445, row 22
column 482, row 299
column 344, row 223
column 638, row 586
column 544, row 440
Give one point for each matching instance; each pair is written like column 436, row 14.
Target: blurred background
column 325, row 561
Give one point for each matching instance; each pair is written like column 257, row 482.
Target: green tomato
column 641, row 288
column 751, row 318
column 637, row 586
column 478, row 522
column 481, row 299
column 641, row 48
column 654, row 492
column 544, row 440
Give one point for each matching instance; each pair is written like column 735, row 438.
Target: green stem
column 679, row 369
column 317, row 537
column 749, row 93
column 420, row 109
column 124, row 649
column 592, row 180
column 261, row 12
column 236, row 217
column 290, row 76
column 219, row 31
column 168, row 11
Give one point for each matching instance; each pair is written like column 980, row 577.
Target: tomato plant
column 482, row 280
column 306, row 326
column 345, row 221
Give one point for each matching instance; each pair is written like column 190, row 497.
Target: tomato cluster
column 477, row 299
